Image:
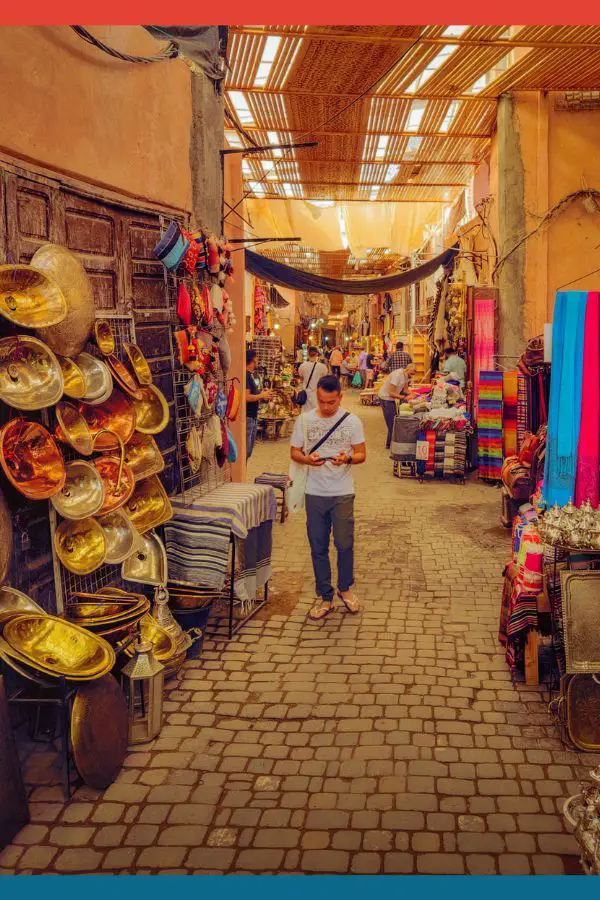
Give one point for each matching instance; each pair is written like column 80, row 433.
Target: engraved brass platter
column 80, row 546
column 69, row 336
column 30, row 374
column 149, row 505
column 104, row 336
column 581, row 606
column 148, row 565
column 31, row 459
column 116, row 414
column 59, row 646
column 29, row 298
column 82, row 494
column 75, row 384
column 583, row 712
column 99, row 731
column 143, row 456
column 152, row 410
column 73, row 429
column 139, row 363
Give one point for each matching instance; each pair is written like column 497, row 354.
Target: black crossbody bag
column 302, row 396
column 329, row 433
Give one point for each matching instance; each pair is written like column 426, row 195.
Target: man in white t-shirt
column 330, row 490
column 310, row 372
column 391, row 390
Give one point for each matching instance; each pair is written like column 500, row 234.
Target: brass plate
column 99, row 731
column 124, row 378
column 69, row 336
column 80, row 546
column 104, row 336
column 73, row 429
column 163, row 645
column 143, row 456
column 581, row 606
column 139, row 363
column 30, row 298
column 31, row 459
column 152, row 410
column 74, row 380
column 98, row 380
column 149, row 505
column 30, row 375
column 99, row 615
column 6, row 539
column 583, row 712
column 116, row 493
column 59, row 646
column 82, row 494
column 116, row 414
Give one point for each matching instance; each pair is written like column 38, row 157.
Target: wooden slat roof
column 345, row 86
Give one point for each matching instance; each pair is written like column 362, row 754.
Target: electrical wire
column 169, row 52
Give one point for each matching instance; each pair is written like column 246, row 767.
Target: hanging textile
column 509, row 412
column 278, row 273
column 489, row 425
column 523, row 425
column 564, row 415
column 483, row 360
column 588, row 453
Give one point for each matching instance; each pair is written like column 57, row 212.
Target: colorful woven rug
column 509, row 412
column 489, row 425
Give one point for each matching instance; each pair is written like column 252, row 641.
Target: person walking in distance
column 330, row 441
column 253, row 396
column 391, row 390
column 310, row 372
column 335, row 361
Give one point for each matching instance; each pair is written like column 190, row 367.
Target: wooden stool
column 282, row 506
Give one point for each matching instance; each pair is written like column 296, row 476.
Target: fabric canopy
column 278, row 273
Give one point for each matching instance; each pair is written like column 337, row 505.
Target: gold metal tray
column 581, row 612
column 59, row 646
column 99, row 731
column 583, row 712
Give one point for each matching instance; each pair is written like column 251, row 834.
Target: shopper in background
column 310, row 372
column 330, row 490
column 335, row 361
column 371, row 362
column 455, row 365
column 399, row 359
column 253, row 397
column 362, row 366
column 391, row 391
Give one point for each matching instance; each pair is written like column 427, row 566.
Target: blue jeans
column 251, row 426
column 322, row 515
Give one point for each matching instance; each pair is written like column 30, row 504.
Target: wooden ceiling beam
column 395, row 161
column 364, row 184
column 308, row 92
column 451, row 135
column 352, row 199
column 340, row 37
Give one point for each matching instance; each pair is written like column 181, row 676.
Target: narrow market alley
column 392, row 741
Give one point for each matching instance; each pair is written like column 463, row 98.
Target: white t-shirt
column 328, row 480
column 398, row 379
column 304, row 371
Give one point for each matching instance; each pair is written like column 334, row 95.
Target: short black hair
column 312, row 351
column 449, row 351
column 399, row 346
column 330, row 384
column 250, row 356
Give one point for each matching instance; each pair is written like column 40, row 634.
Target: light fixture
column 267, row 59
column 276, row 326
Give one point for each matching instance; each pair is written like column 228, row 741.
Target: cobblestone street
column 388, row 742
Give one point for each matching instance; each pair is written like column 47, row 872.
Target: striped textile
column 197, row 552
column 430, row 435
column 275, row 479
column 509, row 412
column 522, row 411
column 253, row 563
column 238, row 506
column 489, row 425
column 483, row 343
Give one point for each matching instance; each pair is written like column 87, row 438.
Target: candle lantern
column 142, row 680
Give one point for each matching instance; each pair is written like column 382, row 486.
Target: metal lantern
column 142, row 679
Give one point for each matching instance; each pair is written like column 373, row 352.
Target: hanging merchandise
column 207, row 307
column 190, row 259
column 194, row 448
column 232, row 452
column 221, row 403
column 224, row 354
column 184, row 305
column 172, row 247
column 216, row 297
column 212, row 255
column 196, row 395
column 234, row 398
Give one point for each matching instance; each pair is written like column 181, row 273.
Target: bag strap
column 311, row 375
column 329, row 433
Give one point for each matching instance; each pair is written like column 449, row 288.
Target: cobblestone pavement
column 389, row 742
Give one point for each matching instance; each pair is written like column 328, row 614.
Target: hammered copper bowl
column 152, row 410
column 121, row 537
column 116, row 414
column 148, row 565
column 31, row 459
column 139, row 363
column 82, row 494
column 163, row 645
column 74, row 380
column 80, row 546
column 149, row 505
column 29, row 298
column 72, row 429
column 104, row 335
column 124, row 378
column 30, row 375
column 143, row 456
column 97, row 376
column 58, row 646
column 69, row 336
column 118, row 482
column 14, row 602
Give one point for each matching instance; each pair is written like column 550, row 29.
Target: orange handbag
column 234, row 398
